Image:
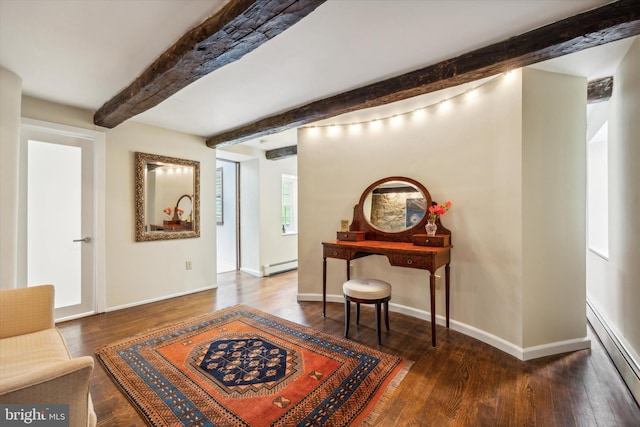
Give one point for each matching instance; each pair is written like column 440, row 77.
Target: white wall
column 10, row 102
column 554, row 207
column 275, row 247
column 613, row 285
column 250, row 216
column 471, row 154
column 138, row 272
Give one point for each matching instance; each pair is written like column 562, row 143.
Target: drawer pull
column 427, row 241
column 409, row 261
column 335, row 253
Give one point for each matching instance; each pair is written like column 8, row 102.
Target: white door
column 60, row 228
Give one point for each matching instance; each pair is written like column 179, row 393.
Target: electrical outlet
column 188, row 265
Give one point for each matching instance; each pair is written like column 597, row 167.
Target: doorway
column 227, row 215
column 59, row 200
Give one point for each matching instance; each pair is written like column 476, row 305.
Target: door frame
column 98, row 139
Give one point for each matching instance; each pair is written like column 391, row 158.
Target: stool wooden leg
column 386, row 314
column 378, row 322
column 357, row 313
column 347, row 316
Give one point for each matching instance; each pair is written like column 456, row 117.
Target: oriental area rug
column 243, row 367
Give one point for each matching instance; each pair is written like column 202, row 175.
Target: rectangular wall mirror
column 167, row 197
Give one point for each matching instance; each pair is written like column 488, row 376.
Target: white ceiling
column 82, row 53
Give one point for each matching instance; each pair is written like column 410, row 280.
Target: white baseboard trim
column 494, row 341
column 251, row 271
column 627, row 366
column 557, row 347
column 179, row 294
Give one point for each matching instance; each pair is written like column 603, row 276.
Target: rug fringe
column 386, row 396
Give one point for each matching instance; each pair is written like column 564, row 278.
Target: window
column 598, row 193
column 289, row 213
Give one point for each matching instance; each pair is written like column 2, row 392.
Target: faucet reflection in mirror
column 167, row 197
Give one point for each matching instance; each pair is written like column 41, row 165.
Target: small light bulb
column 397, row 120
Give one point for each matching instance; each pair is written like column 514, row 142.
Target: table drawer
column 411, row 261
column 333, row 252
column 439, row 240
column 352, row 236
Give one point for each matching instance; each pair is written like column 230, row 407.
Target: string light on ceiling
column 416, row 114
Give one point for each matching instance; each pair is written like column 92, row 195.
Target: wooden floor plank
column 462, row 382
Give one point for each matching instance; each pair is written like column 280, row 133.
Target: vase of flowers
column 436, row 210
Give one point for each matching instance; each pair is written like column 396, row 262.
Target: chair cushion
column 368, row 289
column 23, row 353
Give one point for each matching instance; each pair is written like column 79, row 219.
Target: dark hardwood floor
column 463, row 382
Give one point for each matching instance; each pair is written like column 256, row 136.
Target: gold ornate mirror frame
column 173, row 226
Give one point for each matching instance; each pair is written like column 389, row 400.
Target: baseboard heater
column 279, row 267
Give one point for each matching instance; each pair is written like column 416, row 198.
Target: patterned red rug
column 243, row 367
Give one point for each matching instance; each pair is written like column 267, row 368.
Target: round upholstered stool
column 366, row 291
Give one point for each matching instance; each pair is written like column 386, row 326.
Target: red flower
column 438, row 210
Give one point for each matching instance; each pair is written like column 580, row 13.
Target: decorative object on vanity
column 243, row 367
column 436, row 210
column 167, row 197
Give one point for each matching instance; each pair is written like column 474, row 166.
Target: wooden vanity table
column 404, row 247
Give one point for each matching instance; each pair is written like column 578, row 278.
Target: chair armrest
column 59, row 383
column 26, row 310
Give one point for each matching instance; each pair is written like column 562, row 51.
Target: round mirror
column 394, row 205
column 184, row 207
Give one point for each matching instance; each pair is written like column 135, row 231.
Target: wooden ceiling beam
column 237, row 29
column 614, row 21
column 281, row 153
column 599, row 90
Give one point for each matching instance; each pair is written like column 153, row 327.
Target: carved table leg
column 432, row 291
column 324, row 286
column 447, row 287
